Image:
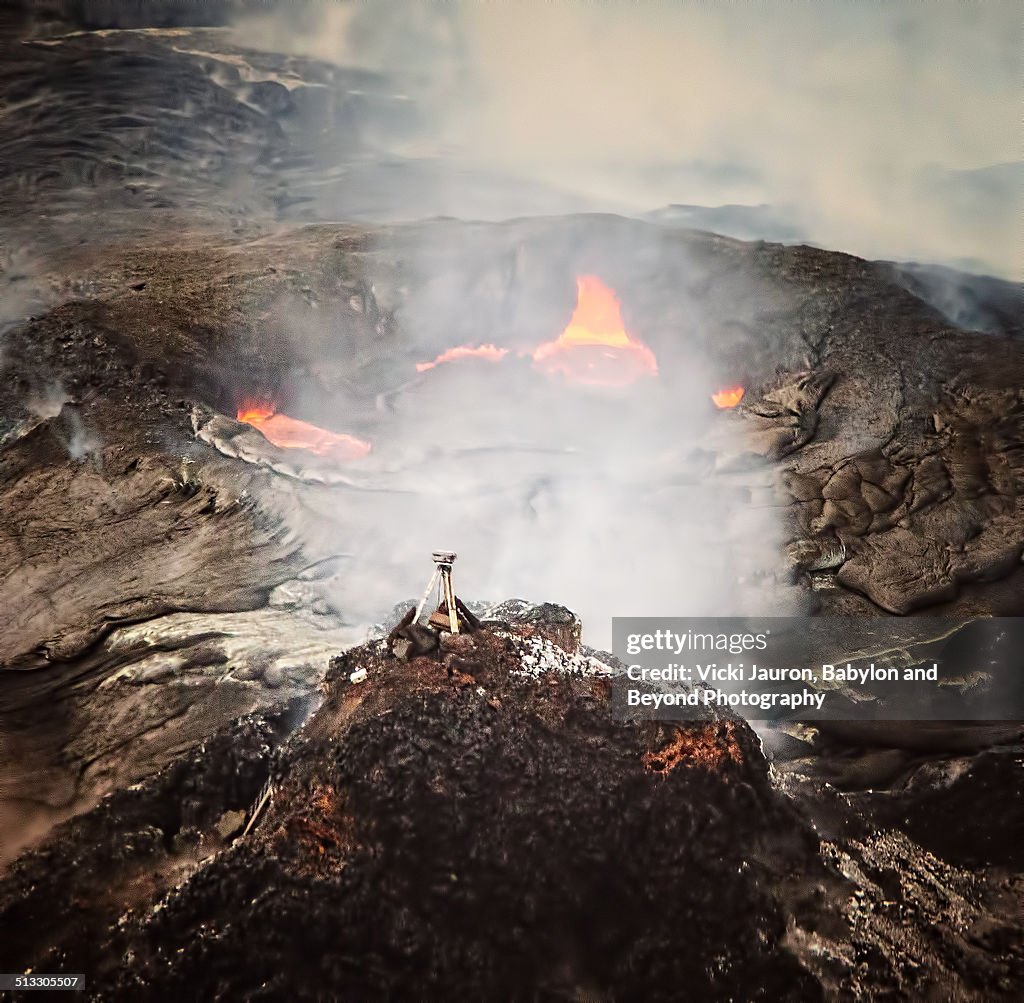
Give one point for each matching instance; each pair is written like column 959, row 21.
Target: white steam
column 612, row 501
column 888, row 130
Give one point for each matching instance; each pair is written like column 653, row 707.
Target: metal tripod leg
column 426, row 594
column 449, row 596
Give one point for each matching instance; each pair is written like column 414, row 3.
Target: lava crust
column 475, row 828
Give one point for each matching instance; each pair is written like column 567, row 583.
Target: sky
column 888, row 129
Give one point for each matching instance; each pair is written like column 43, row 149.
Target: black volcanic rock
column 488, row 832
column 170, row 599
column 133, row 847
column 888, row 444
column 433, row 838
column 555, row 623
column 973, row 302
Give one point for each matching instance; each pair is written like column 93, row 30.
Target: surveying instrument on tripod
column 446, row 615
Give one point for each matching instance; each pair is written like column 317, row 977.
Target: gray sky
column 876, row 125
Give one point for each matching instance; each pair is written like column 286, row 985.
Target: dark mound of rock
column 482, row 830
column 60, row 904
column 960, row 809
column 491, row 837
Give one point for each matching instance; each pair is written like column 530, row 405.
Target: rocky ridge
column 485, row 829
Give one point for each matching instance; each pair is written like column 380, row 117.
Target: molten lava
column 729, row 397
column 595, row 348
column 291, row 433
column 489, row 352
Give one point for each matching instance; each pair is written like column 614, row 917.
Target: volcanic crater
column 176, row 583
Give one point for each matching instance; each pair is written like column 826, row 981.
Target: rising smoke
column 606, row 499
column 876, row 129
column 835, row 120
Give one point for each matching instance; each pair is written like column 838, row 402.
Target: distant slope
column 973, row 302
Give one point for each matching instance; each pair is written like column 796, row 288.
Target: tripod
column 443, row 560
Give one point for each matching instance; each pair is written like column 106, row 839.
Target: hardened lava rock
column 442, row 838
column 487, row 832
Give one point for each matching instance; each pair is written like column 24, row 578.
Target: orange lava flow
column 729, row 397
column 291, row 433
column 595, row 347
column 489, row 352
